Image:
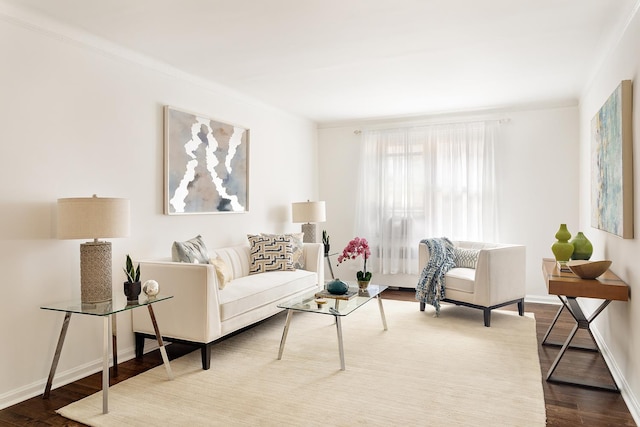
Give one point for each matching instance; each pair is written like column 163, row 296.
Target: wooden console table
column 567, row 287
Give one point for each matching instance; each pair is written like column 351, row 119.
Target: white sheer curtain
column 427, row 181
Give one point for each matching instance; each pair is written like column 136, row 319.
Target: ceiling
column 342, row 60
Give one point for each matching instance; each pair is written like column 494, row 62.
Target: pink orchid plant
column 356, row 247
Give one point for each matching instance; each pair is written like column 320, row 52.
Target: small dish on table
column 589, row 269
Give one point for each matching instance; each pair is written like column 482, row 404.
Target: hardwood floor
column 566, row 405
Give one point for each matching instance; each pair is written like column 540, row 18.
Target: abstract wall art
column 612, row 164
column 206, row 165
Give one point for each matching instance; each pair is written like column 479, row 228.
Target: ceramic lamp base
column 309, row 231
column 95, row 272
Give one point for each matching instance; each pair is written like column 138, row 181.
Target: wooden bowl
column 589, row 269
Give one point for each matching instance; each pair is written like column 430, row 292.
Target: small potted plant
column 132, row 286
column 325, row 241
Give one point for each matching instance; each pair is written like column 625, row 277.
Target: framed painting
column 206, row 165
column 612, row 164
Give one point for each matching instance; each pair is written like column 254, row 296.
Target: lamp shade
column 92, row 218
column 308, row 212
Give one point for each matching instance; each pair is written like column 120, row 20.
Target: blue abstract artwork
column 611, row 165
column 206, row 165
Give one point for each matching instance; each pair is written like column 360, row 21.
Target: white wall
column 617, row 326
column 537, row 174
column 79, row 120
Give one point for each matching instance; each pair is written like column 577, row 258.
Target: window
column 428, row 181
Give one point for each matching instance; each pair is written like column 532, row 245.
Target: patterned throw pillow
column 222, row 272
column 270, row 253
column 466, row 258
column 297, row 248
column 192, row 251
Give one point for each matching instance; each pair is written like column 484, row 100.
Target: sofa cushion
column 236, row 258
column 297, row 248
column 270, row 254
column 256, row 290
column 222, row 271
column 192, row 250
column 465, row 258
column 460, row 279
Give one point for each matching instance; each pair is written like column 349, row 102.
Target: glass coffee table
column 338, row 308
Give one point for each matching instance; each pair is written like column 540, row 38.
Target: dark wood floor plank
column 566, row 405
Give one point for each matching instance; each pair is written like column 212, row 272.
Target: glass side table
column 107, row 310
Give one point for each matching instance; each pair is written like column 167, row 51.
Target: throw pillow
column 270, row 253
column 222, row 272
column 297, row 248
column 465, row 258
column 192, row 250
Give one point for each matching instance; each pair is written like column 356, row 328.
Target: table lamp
column 94, row 218
column 308, row 213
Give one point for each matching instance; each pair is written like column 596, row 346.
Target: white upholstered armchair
column 497, row 280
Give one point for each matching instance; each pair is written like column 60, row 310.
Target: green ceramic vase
column 582, row 247
column 562, row 249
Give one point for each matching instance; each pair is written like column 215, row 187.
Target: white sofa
column 201, row 313
column 497, row 280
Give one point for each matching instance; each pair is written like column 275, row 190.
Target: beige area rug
column 446, row 371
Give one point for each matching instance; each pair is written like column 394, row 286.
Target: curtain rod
column 431, row 123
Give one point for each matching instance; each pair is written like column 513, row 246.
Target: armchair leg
column 521, row 307
column 422, row 306
column 487, row 317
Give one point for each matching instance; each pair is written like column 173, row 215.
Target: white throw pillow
column 222, row 271
column 465, row 258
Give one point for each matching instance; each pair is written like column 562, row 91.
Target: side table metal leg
column 582, row 322
column 384, row 319
column 284, row 333
column 114, row 343
column 554, row 365
column 106, row 335
column 340, row 345
column 330, row 267
column 163, row 350
column 553, row 323
column 56, row 356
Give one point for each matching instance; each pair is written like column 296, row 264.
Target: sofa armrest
column 314, row 260
column 500, row 275
column 195, row 297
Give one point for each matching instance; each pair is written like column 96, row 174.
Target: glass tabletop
column 103, row 308
column 334, row 306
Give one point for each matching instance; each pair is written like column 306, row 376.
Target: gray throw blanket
column 430, row 288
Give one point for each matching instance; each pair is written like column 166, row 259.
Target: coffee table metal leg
column 56, row 356
column 340, row 345
column 284, row 333
column 384, row 319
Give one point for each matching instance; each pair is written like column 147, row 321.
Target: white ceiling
column 337, row 60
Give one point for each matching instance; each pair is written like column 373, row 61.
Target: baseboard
column 542, row 299
column 626, row 392
column 62, row 378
